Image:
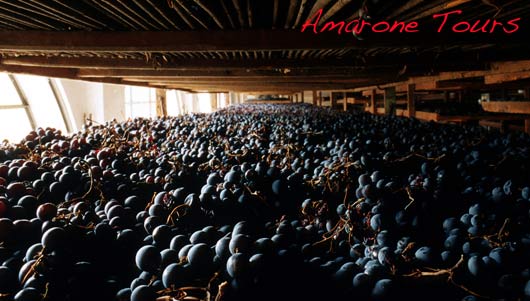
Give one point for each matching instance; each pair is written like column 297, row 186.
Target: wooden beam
column 390, row 101
column 506, row 77
column 302, row 97
column 373, row 95
column 163, row 41
column 320, row 98
column 411, row 103
column 214, row 101
column 161, row 104
column 226, row 40
column 344, row 102
column 527, row 126
column 315, row 100
column 333, row 98
column 513, row 107
column 158, row 63
column 333, row 73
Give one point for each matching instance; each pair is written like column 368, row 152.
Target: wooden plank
column 163, row 41
column 226, row 40
column 427, row 116
column 390, row 101
column 513, row 107
column 506, row 77
column 214, row 101
column 161, row 104
column 411, row 101
column 329, row 74
column 373, row 96
column 159, row 63
column 344, row 102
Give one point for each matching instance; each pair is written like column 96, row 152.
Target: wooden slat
column 411, row 103
column 223, row 40
column 513, row 107
column 172, row 64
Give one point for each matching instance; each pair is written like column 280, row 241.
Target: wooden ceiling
column 245, row 45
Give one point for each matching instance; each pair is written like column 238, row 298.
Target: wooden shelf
column 511, row 107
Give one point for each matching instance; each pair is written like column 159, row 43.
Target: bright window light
column 42, row 101
column 14, row 125
column 140, row 102
column 9, row 94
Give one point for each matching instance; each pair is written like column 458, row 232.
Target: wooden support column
column 161, row 104
column 290, row 98
column 214, row 101
column 372, row 101
column 302, row 97
column 344, row 101
column 411, row 102
column 315, row 103
column 320, row 98
column 333, row 100
column 527, row 126
column 390, row 101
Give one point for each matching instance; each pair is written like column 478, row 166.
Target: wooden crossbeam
column 227, row 40
column 514, row 107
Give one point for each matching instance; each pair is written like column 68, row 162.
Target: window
column 9, row 93
column 42, row 100
column 15, row 121
column 140, row 102
column 27, row 102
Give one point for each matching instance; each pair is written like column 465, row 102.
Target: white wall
column 114, row 98
column 104, row 101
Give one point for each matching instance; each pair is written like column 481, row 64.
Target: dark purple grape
column 383, row 289
column 177, row 242
column 54, row 239
column 174, row 275
column 240, row 243
column 237, row 265
column 28, row 294
column 143, row 293
column 168, row 256
column 148, row 259
column 200, row 255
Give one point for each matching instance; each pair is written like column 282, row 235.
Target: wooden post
column 390, row 101
column 161, row 105
column 214, row 101
column 527, row 126
column 411, row 103
column 320, row 98
column 344, row 101
column 333, row 100
column 302, row 97
column 290, row 98
column 372, row 102
column 226, row 99
column 315, row 103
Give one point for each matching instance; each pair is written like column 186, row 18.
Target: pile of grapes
column 264, row 202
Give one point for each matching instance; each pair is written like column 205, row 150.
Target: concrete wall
column 104, row 101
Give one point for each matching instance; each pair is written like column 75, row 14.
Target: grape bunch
column 261, row 202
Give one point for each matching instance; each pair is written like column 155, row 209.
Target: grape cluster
column 266, row 202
